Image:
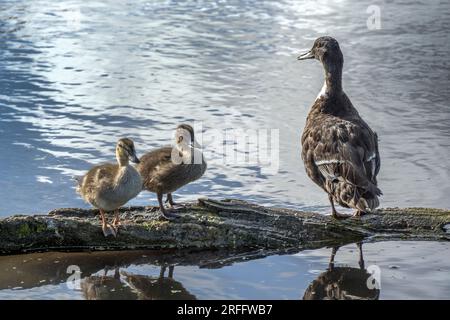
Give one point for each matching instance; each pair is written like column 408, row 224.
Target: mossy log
column 210, row 224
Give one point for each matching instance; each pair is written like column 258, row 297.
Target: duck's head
column 125, row 152
column 184, row 136
column 326, row 50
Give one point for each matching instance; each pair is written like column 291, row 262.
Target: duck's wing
column 348, row 152
column 376, row 164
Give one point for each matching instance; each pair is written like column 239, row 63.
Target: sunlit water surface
column 75, row 76
column 404, row 270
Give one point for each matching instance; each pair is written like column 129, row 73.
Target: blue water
column 75, row 76
column 405, row 270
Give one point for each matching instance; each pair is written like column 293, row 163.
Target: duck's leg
column 166, row 215
column 106, row 228
column 334, row 213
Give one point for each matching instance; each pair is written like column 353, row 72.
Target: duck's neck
column 333, row 79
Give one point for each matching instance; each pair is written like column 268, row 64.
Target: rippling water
column 400, row 272
column 76, row 76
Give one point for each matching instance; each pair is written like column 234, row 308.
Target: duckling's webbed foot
column 172, row 203
column 165, row 214
column 116, row 222
column 107, row 229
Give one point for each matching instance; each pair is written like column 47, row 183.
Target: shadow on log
column 210, row 224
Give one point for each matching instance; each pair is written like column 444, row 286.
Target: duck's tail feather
column 368, row 198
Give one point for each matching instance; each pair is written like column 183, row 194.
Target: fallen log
column 211, row 224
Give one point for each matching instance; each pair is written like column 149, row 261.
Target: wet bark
column 210, row 224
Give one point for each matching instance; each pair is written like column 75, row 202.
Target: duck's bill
column 134, row 159
column 305, row 56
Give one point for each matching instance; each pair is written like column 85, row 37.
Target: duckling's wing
column 153, row 163
column 99, row 178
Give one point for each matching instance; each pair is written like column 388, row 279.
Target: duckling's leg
column 106, row 228
column 116, row 221
column 169, row 199
column 334, row 213
column 164, row 212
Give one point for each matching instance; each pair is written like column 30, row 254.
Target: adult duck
column 339, row 149
column 167, row 169
column 110, row 186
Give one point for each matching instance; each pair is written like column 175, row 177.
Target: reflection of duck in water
column 342, row 283
column 161, row 288
column 106, row 287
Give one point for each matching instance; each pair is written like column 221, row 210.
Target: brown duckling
column 110, row 186
column 339, row 149
column 167, row 169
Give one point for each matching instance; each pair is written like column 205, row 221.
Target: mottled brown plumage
column 339, row 149
column 167, row 169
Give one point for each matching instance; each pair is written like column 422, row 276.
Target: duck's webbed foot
column 359, row 213
column 339, row 216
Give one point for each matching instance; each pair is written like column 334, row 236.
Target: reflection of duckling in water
column 106, row 287
column 342, row 283
column 161, row 288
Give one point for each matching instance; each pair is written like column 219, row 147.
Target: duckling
column 339, row 149
column 109, row 186
column 167, row 169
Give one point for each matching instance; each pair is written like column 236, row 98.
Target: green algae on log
column 211, row 224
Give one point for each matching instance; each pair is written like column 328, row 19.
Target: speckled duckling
column 110, row 186
column 339, row 149
column 167, row 169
